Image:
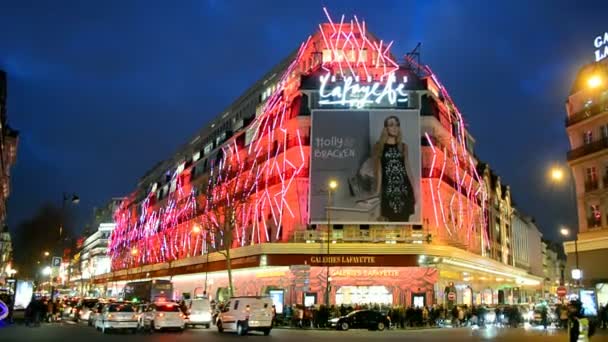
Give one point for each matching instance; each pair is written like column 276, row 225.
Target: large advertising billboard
column 374, row 157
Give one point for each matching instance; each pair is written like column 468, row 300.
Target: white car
column 117, row 316
column 163, row 315
column 95, row 313
column 244, row 314
column 199, row 312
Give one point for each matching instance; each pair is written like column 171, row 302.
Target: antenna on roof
column 414, row 56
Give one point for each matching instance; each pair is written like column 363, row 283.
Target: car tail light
column 135, row 316
column 160, row 314
column 81, row 312
column 110, row 316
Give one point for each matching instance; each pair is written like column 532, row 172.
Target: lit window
column 208, row 148
column 196, row 156
column 362, row 56
column 588, row 137
column 326, row 56
column 591, row 174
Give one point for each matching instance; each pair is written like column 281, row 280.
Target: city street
column 75, row 332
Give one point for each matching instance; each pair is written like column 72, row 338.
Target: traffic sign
column 562, row 291
column 451, row 296
column 56, row 262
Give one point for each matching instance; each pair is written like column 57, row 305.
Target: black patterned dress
column 397, row 198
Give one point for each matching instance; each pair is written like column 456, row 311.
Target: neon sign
column 353, row 94
column 601, row 44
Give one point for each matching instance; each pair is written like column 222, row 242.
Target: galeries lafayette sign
column 601, row 45
column 351, row 92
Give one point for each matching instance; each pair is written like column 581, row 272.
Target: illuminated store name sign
column 354, row 94
column 601, row 44
column 345, row 259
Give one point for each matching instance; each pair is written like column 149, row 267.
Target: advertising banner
column 374, row 157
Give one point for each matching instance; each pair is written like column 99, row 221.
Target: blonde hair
column 384, row 137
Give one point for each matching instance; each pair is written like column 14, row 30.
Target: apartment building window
column 590, row 178
column 595, row 220
column 588, row 137
column 604, row 130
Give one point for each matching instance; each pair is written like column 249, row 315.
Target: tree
column 36, row 235
column 225, row 205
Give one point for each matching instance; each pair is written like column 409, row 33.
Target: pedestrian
column 563, row 316
column 581, row 329
column 544, row 316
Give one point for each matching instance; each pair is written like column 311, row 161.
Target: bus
column 148, row 291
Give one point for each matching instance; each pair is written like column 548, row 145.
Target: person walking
column 581, row 329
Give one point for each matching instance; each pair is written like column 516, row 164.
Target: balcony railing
column 588, row 149
column 361, row 235
column 589, row 112
column 591, row 185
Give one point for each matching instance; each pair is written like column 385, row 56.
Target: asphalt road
column 76, row 332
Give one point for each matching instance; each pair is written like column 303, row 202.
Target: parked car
column 95, row 313
column 199, row 312
column 244, row 314
column 163, row 315
column 361, row 319
column 117, row 316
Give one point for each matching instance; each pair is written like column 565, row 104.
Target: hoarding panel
column 374, row 156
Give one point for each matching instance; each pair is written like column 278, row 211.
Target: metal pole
column 578, row 281
column 328, row 244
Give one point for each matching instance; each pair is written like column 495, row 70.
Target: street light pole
column 332, row 186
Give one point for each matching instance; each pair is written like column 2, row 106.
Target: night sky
column 102, row 90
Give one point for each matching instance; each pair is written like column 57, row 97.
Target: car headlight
column 334, row 320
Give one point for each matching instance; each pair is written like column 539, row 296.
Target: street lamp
column 46, row 253
column 576, row 273
column 557, row 174
column 332, row 186
column 47, row 271
column 594, row 81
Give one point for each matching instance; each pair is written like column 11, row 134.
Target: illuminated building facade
column 8, row 156
column 587, row 128
column 247, row 182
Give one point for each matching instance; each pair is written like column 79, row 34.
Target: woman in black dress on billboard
column 392, row 168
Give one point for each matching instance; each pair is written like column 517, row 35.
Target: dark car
column 362, row 319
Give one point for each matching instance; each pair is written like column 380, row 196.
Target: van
column 244, row 314
column 199, row 312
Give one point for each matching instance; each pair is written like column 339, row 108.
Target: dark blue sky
column 102, row 90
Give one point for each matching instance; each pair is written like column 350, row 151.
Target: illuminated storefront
column 406, row 200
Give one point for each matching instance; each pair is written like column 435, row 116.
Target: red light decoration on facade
column 265, row 181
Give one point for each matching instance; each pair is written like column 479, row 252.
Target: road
column 76, row 332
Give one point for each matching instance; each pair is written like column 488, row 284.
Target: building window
column 588, row 137
column 591, row 174
column 596, row 216
column 326, row 56
column 591, row 179
column 604, row 130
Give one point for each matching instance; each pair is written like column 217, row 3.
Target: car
column 69, row 307
column 84, row 308
column 244, row 314
column 162, row 315
column 362, row 319
column 199, row 312
column 95, row 313
column 117, row 316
